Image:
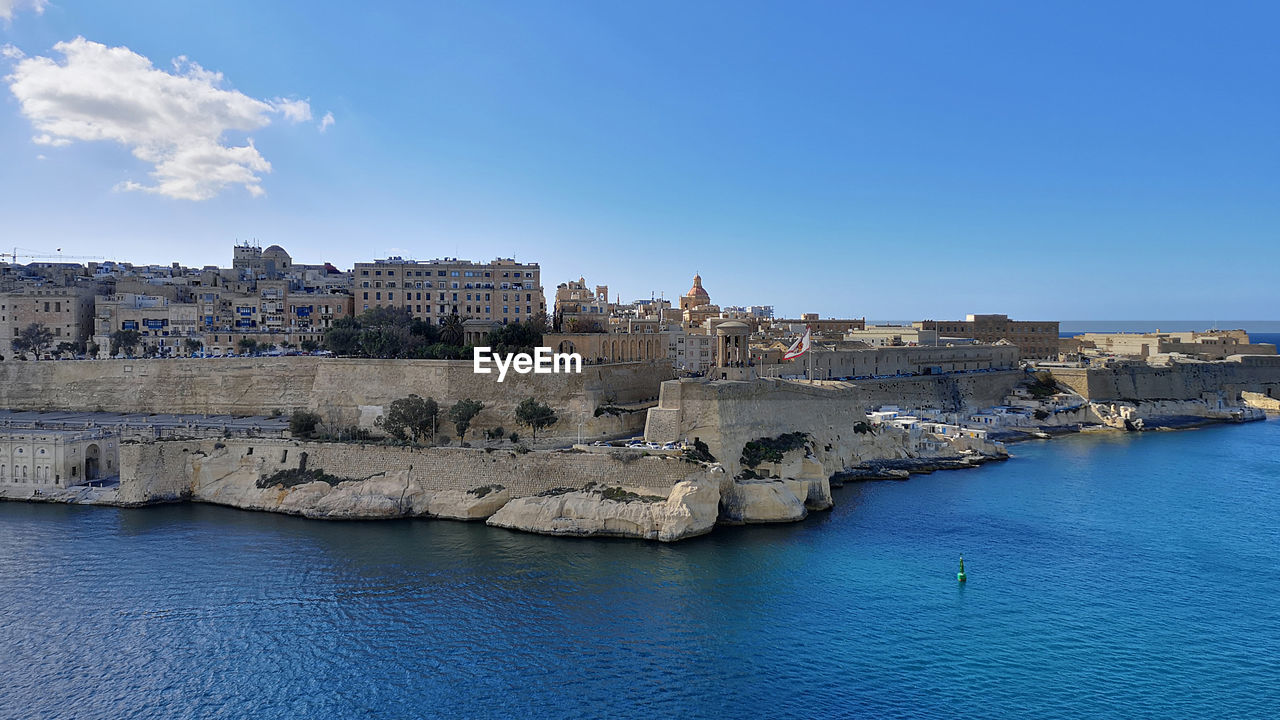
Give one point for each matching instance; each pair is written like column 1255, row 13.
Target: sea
column 1109, row 575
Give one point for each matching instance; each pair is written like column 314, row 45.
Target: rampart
column 344, row 391
column 1177, row 381
column 726, row 414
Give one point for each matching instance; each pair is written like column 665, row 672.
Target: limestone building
column 579, row 308
column 66, row 311
column 39, row 458
column 1036, row 339
column 503, row 290
column 1208, row 345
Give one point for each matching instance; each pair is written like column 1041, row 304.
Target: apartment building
column 500, row 291
column 1036, row 339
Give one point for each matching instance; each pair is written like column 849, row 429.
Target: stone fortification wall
column 726, row 415
column 1180, row 381
column 172, row 470
column 345, row 391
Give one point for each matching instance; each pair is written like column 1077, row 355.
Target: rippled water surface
column 1109, row 576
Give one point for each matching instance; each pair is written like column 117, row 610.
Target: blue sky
column 894, row 160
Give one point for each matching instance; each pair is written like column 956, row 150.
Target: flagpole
column 809, row 332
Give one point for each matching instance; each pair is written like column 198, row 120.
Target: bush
column 514, row 437
column 771, row 449
column 297, row 476
column 617, row 494
column 302, row 424
column 520, row 448
column 485, row 490
column 700, row 452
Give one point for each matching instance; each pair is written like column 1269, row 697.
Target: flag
column 800, row 347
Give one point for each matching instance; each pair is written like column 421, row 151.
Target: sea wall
column 1179, row 381
column 345, row 391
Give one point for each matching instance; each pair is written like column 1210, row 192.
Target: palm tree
column 451, row 331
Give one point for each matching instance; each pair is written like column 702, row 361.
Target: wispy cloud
column 173, row 120
column 9, row 7
column 326, row 121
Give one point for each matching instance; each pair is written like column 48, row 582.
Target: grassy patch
column 294, row 476
column 617, row 494
column 485, row 490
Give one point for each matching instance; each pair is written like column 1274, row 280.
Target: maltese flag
column 800, row 347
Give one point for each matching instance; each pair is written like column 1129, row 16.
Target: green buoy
column 960, row 575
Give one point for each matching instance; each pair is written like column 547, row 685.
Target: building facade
column 48, row 459
column 503, row 290
column 1036, row 339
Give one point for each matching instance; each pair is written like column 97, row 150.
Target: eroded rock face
column 690, row 509
column 382, row 496
column 764, row 501
column 466, row 504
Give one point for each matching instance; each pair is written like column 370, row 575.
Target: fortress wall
column 1183, row 381
column 346, row 391
column 726, row 415
column 165, row 470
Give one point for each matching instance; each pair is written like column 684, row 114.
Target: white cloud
column 10, row 52
column 295, row 111
column 326, row 121
column 9, row 7
column 173, row 121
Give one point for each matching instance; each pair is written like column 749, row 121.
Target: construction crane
column 35, row 255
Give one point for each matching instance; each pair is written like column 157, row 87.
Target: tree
column 518, row 337
column 310, row 345
column 411, row 416
column 302, row 423
column 34, row 338
column 67, row 348
column 92, row 349
column 584, row 325
column 462, row 413
column 192, row 345
column 386, row 333
column 125, row 341
column 451, row 332
column 535, row 415
column 248, row 346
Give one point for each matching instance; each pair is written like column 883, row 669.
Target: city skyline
column 843, row 161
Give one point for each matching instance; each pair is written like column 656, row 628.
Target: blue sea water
column 1110, row 576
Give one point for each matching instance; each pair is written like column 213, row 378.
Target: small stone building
column 41, row 458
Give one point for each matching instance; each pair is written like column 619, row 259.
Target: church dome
column 697, row 290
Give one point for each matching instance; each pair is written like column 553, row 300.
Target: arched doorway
column 92, row 459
